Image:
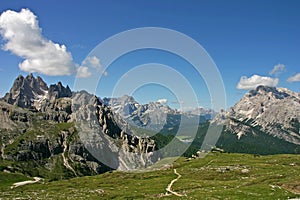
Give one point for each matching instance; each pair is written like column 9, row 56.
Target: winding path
column 36, row 179
column 169, row 187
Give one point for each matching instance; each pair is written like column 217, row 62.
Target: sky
column 250, row 42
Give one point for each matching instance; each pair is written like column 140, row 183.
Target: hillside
column 55, row 133
column 217, row 176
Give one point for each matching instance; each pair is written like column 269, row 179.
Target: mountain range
column 53, row 132
column 155, row 115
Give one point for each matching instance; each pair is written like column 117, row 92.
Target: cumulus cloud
column 92, row 62
column 255, row 80
column 162, row 101
column 83, row 72
column 277, row 69
column 294, row 78
column 24, row 38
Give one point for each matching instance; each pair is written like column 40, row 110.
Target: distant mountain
column 154, row 115
column 265, row 118
column 207, row 113
column 53, row 132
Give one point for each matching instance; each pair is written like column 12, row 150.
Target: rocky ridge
column 44, row 128
column 274, row 111
column 25, row 90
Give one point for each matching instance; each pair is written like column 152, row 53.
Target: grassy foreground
column 217, row 176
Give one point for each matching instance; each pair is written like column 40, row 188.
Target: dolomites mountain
column 154, row 115
column 31, row 92
column 25, row 91
column 111, row 141
column 65, row 133
column 53, row 132
column 273, row 111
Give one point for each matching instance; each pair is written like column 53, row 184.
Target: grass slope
column 31, row 167
column 217, row 176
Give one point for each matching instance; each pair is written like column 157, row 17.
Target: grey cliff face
column 275, row 111
column 25, row 90
column 104, row 137
column 53, row 125
column 31, row 92
column 57, row 91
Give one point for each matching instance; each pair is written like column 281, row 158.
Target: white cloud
column 277, row 69
column 92, row 62
column 162, row 101
column 83, row 72
column 294, row 78
column 24, row 38
column 255, row 80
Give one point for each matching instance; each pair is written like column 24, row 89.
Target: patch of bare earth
column 292, row 187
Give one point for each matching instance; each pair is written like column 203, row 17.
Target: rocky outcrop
column 57, row 91
column 77, row 133
column 106, row 138
column 42, row 149
column 58, row 110
column 27, row 136
column 12, row 117
column 33, row 93
column 274, row 111
column 25, row 90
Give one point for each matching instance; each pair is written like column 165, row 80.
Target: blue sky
column 244, row 38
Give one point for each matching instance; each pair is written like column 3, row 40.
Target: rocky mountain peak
column 30, row 91
column 127, row 98
column 154, row 115
column 59, row 91
column 270, row 91
column 275, row 111
column 92, row 130
column 25, row 90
